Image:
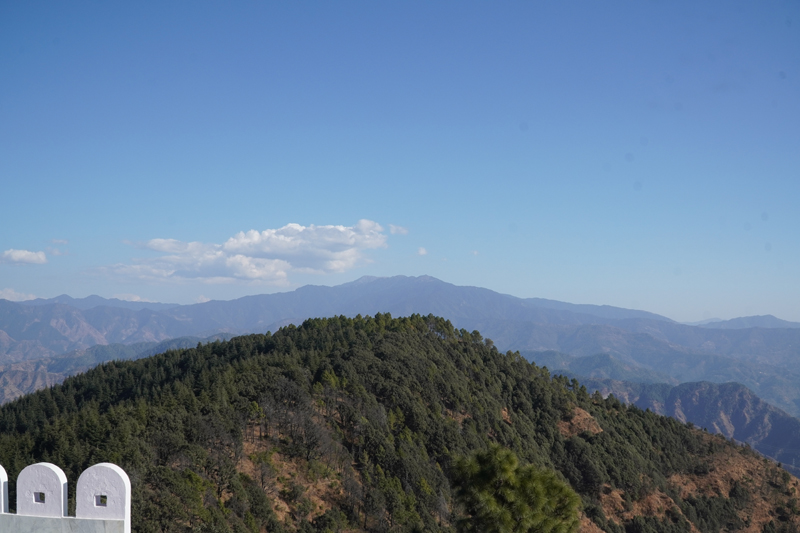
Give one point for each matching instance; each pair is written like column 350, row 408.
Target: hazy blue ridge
column 763, row 321
column 98, row 301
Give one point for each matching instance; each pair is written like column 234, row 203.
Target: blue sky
column 638, row 154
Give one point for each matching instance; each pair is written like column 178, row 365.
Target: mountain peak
column 364, row 279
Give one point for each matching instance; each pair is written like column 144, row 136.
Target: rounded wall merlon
column 42, row 491
column 103, row 492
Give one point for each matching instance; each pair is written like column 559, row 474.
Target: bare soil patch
column 581, row 421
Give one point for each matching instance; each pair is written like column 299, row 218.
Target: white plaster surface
column 108, row 480
column 3, row 490
column 11, row 523
column 46, row 478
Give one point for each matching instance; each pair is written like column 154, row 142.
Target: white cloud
column 397, row 230
column 312, row 248
column 422, row 251
column 63, row 242
column 14, row 296
column 202, row 299
column 23, row 256
column 266, row 256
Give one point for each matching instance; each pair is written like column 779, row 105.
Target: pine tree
column 500, row 496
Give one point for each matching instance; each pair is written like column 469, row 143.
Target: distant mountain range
column 43, row 328
column 763, row 321
column 767, row 357
column 42, row 341
column 48, row 327
column 97, row 301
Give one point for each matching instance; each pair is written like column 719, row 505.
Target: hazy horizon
column 132, row 298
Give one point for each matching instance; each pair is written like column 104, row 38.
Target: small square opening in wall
column 38, row 497
column 101, row 500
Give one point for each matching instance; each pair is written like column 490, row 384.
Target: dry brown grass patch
column 581, row 421
column 323, row 493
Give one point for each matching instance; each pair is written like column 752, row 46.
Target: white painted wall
column 12, row 523
column 110, row 481
column 42, row 478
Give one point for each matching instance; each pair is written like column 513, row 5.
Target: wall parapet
column 102, row 501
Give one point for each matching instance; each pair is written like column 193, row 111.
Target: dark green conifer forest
column 355, row 424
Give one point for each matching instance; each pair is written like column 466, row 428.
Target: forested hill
column 354, row 425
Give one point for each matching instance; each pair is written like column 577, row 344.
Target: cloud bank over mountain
column 14, row 296
column 264, row 257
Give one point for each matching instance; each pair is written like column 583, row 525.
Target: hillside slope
column 730, row 409
column 354, row 424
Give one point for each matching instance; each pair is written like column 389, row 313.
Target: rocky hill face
column 355, row 425
column 35, row 332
